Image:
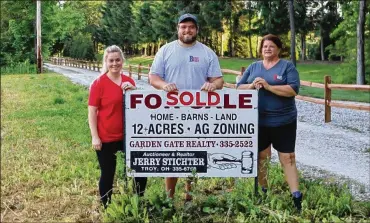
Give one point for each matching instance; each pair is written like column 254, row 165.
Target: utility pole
column 38, row 36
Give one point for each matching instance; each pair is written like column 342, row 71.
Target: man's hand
column 208, row 87
column 170, row 87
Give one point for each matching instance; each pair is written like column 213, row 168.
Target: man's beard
column 188, row 40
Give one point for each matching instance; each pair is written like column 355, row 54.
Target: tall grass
column 19, row 68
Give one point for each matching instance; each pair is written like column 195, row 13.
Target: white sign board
column 176, row 134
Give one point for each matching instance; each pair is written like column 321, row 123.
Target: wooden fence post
column 242, row 71
column 129, row 70
column 237, row 79
column 327, row 81
column 138, row 72
column 149, row 65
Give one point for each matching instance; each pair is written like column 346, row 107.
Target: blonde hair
column 110, row 49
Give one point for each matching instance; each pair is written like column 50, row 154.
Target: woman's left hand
column 260, row 82
column 127, row 86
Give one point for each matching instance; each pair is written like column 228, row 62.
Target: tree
column 321, row 31
column 251, row 12
column 326, row 20
column 164, row 21
column 360, row 43
column 273, row 17
column 18, row 31
column 117, row 25
column 292, row 32
column 304, row 23
column 213, row 13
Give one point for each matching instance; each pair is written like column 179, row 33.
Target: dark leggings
column 107, row 160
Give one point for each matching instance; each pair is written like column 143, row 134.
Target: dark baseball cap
column 188, row 17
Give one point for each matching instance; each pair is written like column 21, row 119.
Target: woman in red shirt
column 105, row 113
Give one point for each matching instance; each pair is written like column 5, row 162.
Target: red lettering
column 227, row 102
column 191, row 98
column 215, row 96
column 158, row 101
column 197, row 97
column 135, row 100
column 171, row 96
column 244, row 101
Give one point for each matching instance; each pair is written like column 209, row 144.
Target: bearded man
column 185, row 64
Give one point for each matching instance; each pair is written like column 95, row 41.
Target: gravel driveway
column 337, row 151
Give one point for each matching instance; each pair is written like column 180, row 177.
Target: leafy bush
column 80, row 47
column 346, row 72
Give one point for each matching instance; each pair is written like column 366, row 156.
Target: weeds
column 19, row 68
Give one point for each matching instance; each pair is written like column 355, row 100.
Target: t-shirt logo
column 194, row 59
column 277, row 77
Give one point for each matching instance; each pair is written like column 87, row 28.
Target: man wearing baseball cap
column 188, row 17
column 185, row 64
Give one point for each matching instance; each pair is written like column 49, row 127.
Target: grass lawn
column 48, row 169
column 49, row 172
column 314, row 72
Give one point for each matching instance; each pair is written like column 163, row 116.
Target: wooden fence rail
column 327, row 86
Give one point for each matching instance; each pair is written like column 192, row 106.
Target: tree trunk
column 38, row 36
column 231, row 38
column 250, row 27
column 250, row 46
column 292, row 32
column 217, row 49
column 222, row 45
column 303, row 42
column 322, row 32
column 360, row 44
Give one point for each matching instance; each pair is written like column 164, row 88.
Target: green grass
column 48, row 169
column 19, row 68
column 49, row 172
column 314, row 72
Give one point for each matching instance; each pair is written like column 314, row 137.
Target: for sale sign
column 176, row 134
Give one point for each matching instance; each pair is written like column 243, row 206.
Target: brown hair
column 272, row 38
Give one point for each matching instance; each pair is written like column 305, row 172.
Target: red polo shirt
column 107, row 97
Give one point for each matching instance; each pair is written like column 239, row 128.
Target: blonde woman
column 105, row 111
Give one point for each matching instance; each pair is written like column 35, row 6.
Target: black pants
column 107, row 160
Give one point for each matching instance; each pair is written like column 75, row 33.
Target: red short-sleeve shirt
column 107, row 97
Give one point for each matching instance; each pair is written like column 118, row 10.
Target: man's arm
column 158, row 83
column 213, row 84
column 217, row 81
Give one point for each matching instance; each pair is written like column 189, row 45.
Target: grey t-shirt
column 187, row 67
column 274, row 110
